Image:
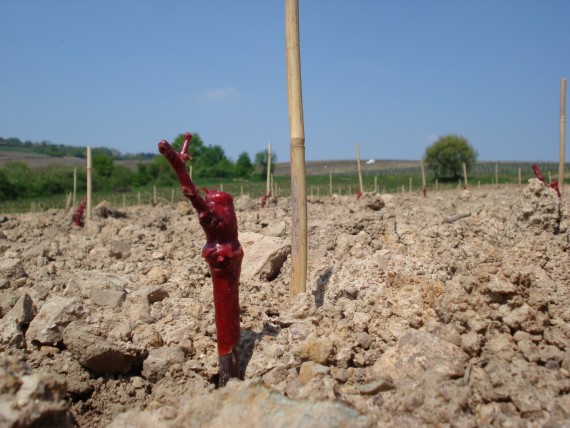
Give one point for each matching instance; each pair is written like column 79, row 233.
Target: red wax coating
column 553, row 184
column 264, row 199
column 222, row 251
column 78, row 216
column 424, row 191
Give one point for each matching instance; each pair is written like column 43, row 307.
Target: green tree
column 20, row 179
column 243, row 167
column 261, row 161
column 103, row 165
column 446, row 156
column 143, row 175
column 6, row 190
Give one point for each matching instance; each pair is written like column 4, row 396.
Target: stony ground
column 450, row 310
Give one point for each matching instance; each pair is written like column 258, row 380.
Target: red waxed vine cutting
column 553, row 184
column 78, row 215
column 223, row 253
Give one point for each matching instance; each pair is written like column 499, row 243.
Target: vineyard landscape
column 449, row 309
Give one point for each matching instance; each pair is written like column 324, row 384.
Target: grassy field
column 386, row 176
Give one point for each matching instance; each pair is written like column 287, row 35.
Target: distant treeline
column 59, row 150
column 19, row 181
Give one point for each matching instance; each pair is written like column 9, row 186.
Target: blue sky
column 388, row 75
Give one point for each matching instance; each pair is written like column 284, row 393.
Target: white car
column 370, row 162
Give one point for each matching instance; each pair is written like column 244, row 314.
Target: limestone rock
column 263, row 255
column 12, row 268
column 119, row 249
column 159, row 361
column 245, row 203
column 250, row 404
column 318, row 350
column 138, row 419
column 309, row 370
column 101, row 355
column 31, row 399
column 372, row 201
column 417, row 355
column 55, row 314
column 157, row 275
column 11, row 332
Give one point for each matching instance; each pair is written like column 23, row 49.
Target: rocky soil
column 450, row 310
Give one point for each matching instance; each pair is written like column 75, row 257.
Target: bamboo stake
column 139, row 198
column 520, row 177
column 497, row 174
column 375, row 184
column 89, row 198
column 297, row 142
column 330, row 185
column 268, row 186
column 190, row 171
column 74, row 185
column 465, row 175
column 154, row 195
column 222, row 187
column 358, row 166
column 124, row 202
column 436, row 185
column 424, row 187
column 410, row 184
column 272, row 187
column 562, row 159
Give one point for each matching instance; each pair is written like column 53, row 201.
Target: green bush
column 446, row 156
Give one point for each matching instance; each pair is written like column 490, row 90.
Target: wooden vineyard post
column 520, row 177
column 358, row 167
column 268, row 186
column 74, row 186
column 410, row 184
column 89, row 196
column 562, row 159
column 330, row 184
column 424, row 187
column 375, row 184
column 139, row 198
column 297, row 142
column 465, row 184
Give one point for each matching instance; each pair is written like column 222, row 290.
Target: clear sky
column 389, row 75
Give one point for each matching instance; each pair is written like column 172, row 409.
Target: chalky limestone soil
column 450, row 310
